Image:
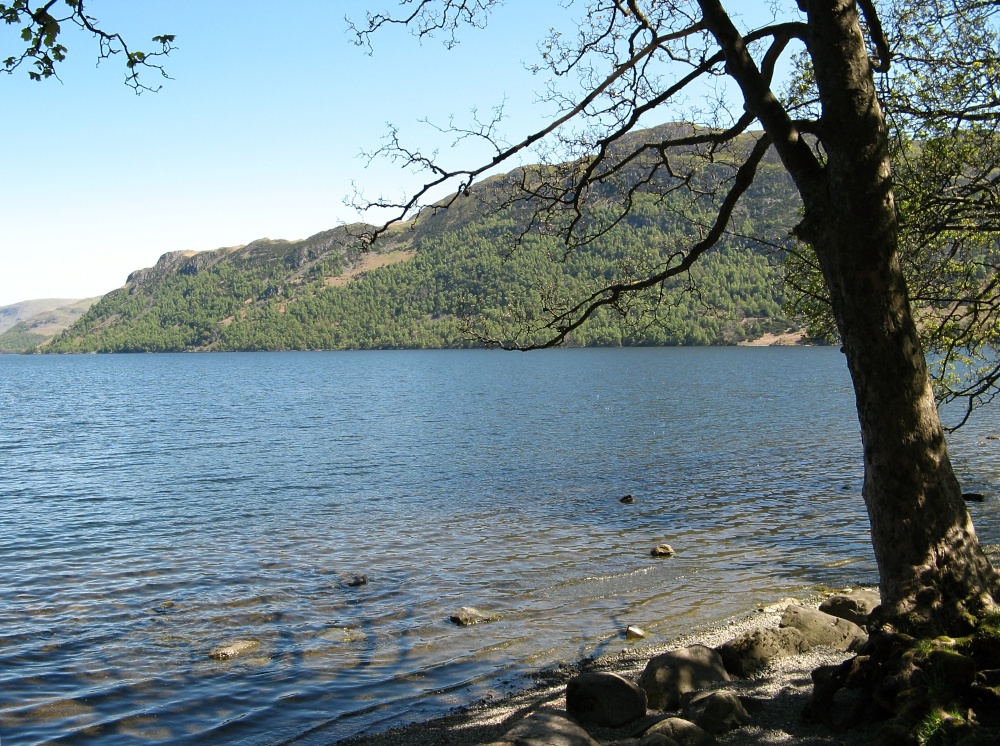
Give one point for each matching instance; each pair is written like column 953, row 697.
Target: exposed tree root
column 940, row 690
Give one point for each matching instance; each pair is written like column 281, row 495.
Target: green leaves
column 43, row 49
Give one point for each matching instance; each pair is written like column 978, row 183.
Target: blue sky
column 258, row 133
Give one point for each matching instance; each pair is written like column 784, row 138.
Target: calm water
column 156, row 506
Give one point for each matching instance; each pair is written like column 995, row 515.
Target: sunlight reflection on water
column 156, row 506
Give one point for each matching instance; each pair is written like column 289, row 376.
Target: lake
column 156, row 507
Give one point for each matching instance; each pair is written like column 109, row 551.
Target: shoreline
column 774, row 696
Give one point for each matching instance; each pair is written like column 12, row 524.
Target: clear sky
column 258, row 133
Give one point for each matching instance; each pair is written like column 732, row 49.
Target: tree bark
column 934, row 576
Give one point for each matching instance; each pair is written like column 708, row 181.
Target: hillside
column 431, row 280
column 24, row 325
column 18, row 312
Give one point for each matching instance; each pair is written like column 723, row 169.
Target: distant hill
column 16, row 312
column 420, row 285
column 28, row 324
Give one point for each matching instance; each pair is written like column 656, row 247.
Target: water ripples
column 156, row 506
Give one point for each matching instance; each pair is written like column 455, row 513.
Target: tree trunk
column 933, row 572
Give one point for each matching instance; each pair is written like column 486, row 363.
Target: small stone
column 467, row 616
column 663, row 550
column 232, row 649
column 628, row 500
column 780, row 605
column 634, row 633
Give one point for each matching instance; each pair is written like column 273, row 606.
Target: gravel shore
column 774, row 698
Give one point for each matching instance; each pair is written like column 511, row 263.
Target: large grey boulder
column 605, row 699
column 750, row 652
column 716, row 712
column 677, row 672
column 855, row 605
column 547, row 728
column 684, row 732
column 820, row 628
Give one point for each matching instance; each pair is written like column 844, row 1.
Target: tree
column 634, row 58
column 41, row 28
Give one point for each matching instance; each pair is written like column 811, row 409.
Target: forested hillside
column 435, row 281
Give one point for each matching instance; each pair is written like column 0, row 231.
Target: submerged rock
column 628, row 500
column 232, row 649
column 467, row 616
column 663, row 550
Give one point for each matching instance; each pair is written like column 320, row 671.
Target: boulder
column 820, row 628
column 232, row 649
column 604, row 699
column 548, row 728
column 657, row 739
column 750, row 652
column 355, row 581
column 663, row 550
column 716, row 712
column 683, row 732
column 672, row 674
column 467, row 616
column 854, row 605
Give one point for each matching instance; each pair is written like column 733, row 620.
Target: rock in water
column 467, row 616
column 628, row 500
column 634, row 633
column 663, row 550
column 232, row 649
